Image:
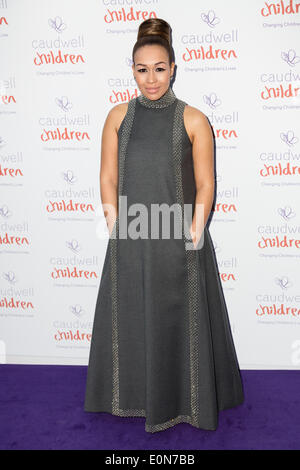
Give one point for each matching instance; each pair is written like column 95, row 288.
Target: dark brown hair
column 154, row 31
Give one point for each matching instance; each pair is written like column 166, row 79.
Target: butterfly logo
column 10, row 277
column 57, row 24
column 5, row 212
column 289, row 138
column 210, row 18
column 63, row 103
column 69, row 176
column 212, row 100
column 74, row 246
column 290, row 57
column 286, row 212
column 77, row 310
column 283, row 282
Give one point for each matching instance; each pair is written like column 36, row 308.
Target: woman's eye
column 158, row 68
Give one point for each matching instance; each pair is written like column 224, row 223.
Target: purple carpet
column 41, row 407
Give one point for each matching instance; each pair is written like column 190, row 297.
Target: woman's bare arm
column 201, row 135
column 109, row 164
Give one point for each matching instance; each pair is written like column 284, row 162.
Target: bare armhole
column 121, row 124
column 185, row 131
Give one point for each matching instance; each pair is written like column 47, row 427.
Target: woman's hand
column 195, row 239
column 111, row 224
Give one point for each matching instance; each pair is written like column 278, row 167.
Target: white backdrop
column 64, row 64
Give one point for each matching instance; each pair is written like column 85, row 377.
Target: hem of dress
column 167, row 424
column 155, row 427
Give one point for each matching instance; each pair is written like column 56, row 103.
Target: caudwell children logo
column 73, row 266
column 70, row 200
column 61, row 49
column 66, row 125
column 75, row 331
column 281, row 304
column 282, row 85
column 282, row 163
column 284, row 236
column 209, row 45
column 11, row 165
column 15, row 298
column 224, row 124
column 13, row 232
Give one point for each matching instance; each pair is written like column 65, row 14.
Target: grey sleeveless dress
column 161, row 344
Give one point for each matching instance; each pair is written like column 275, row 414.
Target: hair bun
column 155, row 27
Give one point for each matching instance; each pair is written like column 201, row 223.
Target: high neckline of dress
column 165, row 100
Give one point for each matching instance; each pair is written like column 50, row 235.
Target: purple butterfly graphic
column 211, row 19
column 77, row 310
column 212, row 100
column 5, row 212
column 286, row 212
column 69, row 177
column 10, row 277
column 290, row 57
column 74, row 246
column 64, row 103
column 57, row 24
column 289, row 138
column 283, row 282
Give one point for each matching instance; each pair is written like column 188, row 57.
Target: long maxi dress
column 161, row 344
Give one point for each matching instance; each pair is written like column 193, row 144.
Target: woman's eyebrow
column 154, row 64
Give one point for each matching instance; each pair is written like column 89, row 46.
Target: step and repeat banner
column 64, row 65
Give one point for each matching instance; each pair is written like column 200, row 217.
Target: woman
column 161, row 343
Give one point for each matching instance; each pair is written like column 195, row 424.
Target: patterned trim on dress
column 155, row 427
column 191, row 282
column 191, row 260
column 124, row 139
column 165, row 100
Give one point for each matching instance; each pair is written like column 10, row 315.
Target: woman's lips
column 152, row 90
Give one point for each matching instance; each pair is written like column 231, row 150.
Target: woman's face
column 152, row 71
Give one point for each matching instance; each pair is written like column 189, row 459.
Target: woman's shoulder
column 195, row 121
column 117, row 113
column 194, row 114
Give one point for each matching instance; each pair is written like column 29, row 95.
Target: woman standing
column 161, row 343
